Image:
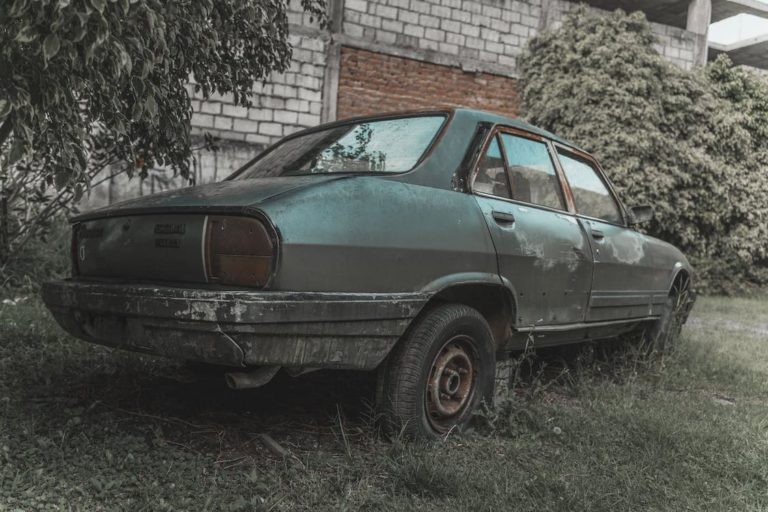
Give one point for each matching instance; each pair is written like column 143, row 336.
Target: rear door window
column 532, row 173
column 491, row 176
column 590, row 193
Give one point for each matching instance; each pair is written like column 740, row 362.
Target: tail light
column 239, row 251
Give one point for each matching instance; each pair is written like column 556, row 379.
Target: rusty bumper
column 236, row 328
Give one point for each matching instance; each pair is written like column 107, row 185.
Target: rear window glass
column 378, row 146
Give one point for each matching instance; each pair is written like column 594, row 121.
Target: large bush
column 691, row 143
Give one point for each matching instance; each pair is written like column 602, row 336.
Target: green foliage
column 90, row 83
column 691, row 143
column 41, row 259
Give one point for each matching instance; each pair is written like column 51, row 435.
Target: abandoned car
column 424, row 245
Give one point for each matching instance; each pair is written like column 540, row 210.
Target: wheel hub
column 451, row 384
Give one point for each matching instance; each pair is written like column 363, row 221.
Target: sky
column 738, row 28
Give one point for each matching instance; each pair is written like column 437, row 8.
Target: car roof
column 466, row 114
column 490, row 117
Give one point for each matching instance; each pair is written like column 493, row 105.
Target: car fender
column 376, row 235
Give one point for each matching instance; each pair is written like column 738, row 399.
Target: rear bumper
column 236, row 328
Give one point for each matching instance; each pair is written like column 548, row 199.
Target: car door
column 627, row 281
column 542, row 250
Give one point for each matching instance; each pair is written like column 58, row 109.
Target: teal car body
column 348, row 258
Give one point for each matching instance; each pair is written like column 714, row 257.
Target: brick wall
column 372, row 82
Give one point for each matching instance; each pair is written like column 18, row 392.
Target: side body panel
column 372, row 234
column 632, row 273
column 546, row 257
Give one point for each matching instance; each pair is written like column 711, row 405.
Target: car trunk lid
column 142, row 247
column 162, row 237
column 225, row 195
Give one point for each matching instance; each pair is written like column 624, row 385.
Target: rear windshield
column 379, row 146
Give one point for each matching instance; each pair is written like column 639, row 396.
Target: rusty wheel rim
column 451, row 384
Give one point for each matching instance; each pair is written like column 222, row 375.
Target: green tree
column 86, row 84
column 676, row 139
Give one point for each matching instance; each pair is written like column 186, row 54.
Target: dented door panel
column 546, row 256
column 630, row 279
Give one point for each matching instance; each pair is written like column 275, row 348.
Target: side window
column 491, row 177
column 531, row 172
column 590, row 193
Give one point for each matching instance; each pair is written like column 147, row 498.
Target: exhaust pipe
column 252, row 379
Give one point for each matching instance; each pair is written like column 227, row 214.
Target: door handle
column 597, row 234
column 503, row 217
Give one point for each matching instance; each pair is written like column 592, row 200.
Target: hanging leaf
column 83, row 18
column 60, row 178
column 5, row 108
column 98, row 5
column 125, row 60
column 27, row 34
column 79, row 34
column 151, row 106
column 138, row 86
column 51, row 46
column 16, row 152
column 18, row 8
column 136, row 112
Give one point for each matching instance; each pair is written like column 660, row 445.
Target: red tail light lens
column 240, row 251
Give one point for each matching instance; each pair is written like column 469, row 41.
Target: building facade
column 376, row 56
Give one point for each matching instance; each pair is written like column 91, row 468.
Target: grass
column 86, row 428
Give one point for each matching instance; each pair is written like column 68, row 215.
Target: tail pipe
column 251, row 379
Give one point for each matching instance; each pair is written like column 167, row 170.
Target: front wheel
column 438, row 374
column 664, row 333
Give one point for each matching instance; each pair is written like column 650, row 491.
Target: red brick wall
column 371, row 82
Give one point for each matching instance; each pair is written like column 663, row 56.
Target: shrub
column 43, row 257
column 691, row 143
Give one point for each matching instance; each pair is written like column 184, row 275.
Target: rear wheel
column 438, row 374
column 664, row 333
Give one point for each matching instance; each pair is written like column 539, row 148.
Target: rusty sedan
column 426, row 246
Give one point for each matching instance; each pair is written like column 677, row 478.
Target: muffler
column 251, row 379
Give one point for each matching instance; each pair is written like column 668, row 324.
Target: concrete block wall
column 676, row 45
column 492, row 33
column 285, row 103
column 207, row 167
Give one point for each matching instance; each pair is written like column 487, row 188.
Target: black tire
column 662, row 335
column 449, row 348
